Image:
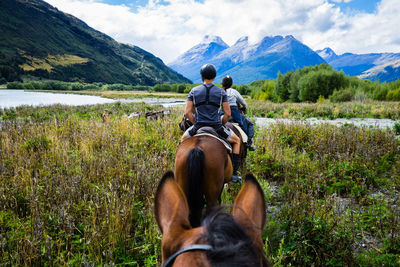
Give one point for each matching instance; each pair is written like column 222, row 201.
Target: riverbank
column 121, row 94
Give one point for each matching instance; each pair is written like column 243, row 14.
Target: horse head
column 223, row 239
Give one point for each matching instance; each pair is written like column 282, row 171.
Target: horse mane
column 231, row 246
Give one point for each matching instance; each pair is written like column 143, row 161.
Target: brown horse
column 202, row 166
column 222, row 240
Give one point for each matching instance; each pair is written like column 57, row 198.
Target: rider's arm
column 227, row 112
column 239, row 98
column 189, row 111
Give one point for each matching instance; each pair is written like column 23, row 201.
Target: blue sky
column 352, row 6
column 368, row 6
column 168, row 28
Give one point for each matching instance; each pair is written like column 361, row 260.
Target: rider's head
column 227, row 82
column 208, row 72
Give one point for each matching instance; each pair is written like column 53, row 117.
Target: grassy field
column 77, row 191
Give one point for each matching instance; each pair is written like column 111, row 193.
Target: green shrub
column 396, row 128
column 343, row 95
column 393, row 95
column 15, row 85
column 37, row 143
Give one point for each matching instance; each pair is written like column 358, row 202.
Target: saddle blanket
column 242, row 133
column 209, row 131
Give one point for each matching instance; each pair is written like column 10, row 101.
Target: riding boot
column 250, row 145
column 236, row 164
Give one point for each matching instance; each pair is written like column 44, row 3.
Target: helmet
column 227, row 82
column 208, row 72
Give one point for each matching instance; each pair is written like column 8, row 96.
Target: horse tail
column 196, row 174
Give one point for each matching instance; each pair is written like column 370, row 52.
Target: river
column 14, row 98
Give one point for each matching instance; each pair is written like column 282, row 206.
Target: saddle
column 209, row 131
column 245, row 138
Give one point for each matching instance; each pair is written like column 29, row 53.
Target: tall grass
column 337, row 202
column 77, row 191
column 371, row 109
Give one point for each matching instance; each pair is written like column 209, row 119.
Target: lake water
column 14, row 98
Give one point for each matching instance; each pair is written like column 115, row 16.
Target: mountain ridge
column 248, row 62
column 41, row 41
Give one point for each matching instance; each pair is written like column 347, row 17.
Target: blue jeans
column 244, row 123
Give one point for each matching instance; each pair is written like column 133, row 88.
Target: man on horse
column 201, row 109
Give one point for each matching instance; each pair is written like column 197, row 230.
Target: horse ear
column 249, row 208
column 171, row 208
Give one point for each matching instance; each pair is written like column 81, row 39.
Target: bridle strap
column 171, row 259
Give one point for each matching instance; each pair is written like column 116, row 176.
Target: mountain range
column 39, row 40
column 247, row 62
column 374, row 66
column 244, row 61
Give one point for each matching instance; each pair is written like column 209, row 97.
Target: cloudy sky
column 168, row 28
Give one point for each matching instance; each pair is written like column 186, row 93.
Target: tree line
column 308, row 84
column 312, row 83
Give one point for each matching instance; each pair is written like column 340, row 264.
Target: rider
column 202, row 108
column 236, row 99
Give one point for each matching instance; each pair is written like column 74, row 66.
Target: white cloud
column 341, row 1
column 169, row 30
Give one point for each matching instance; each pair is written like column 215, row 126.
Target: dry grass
column 50, row 61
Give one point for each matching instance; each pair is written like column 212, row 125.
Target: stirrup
column 236, row 178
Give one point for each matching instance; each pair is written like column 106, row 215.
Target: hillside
column 387, row 72
column 247, row 62
column 367, row 66
column 39, row 40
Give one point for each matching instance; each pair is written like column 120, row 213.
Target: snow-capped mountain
column 188, row 63
column 246, row 62
column 327, row 54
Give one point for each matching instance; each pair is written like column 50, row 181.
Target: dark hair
column 227, row 82
column 231, row 246
column 208, row 71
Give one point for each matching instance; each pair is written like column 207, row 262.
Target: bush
column 343, row 95
column 393, row 95
column 162, row 88
column 396, row 128
column 320, row 82
column 15, row 85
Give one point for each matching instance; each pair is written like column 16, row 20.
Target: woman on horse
column 201, row 109
column 236, row 99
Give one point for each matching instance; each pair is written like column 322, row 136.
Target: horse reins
column 171, row 259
